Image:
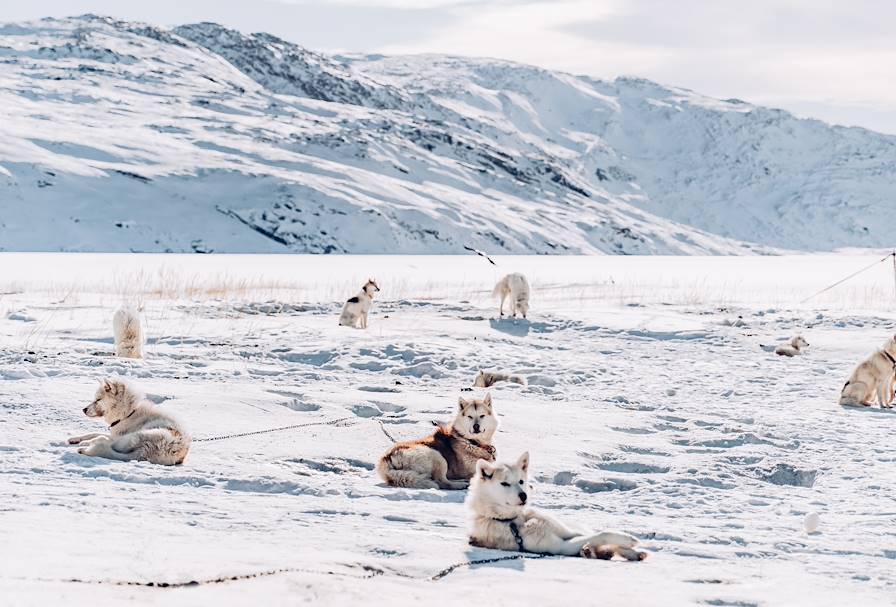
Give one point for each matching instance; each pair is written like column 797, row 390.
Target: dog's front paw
column 592, row 551
column 75, row 440
column 84, row 451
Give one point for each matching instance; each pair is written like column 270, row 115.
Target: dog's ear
column 523, row 462
column 461, row 403
column 487, row 401
column 484, row 469
column 108, row 385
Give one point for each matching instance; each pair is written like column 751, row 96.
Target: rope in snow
column 331, row 422
column 854, row 274
column 386, row 432
column 497, row 559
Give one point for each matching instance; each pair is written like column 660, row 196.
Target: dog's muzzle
column 523, row 497
column 476, row 428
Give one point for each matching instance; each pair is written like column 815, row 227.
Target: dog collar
column 118, row 421
column 515, row 530
column 890, row 358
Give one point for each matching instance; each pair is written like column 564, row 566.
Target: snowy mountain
column 119, row 136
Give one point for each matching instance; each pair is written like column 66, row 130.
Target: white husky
column 137, row 429
column 875, row 376
column 793, row 348
column 355, row 310
column 128, row 333
column 516, row 287
column 501, row 519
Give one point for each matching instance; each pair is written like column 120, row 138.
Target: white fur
column 354, row 313
column 516, row 287
column 794, row 347
column 486, row 379
column 501, row 491
column 128, row 332
column 874, row 377
column 137, row 429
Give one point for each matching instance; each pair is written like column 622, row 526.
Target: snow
column 652, row 407
column 120, row 136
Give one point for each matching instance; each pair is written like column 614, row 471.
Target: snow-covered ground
column 652, row 407
column 118, row 136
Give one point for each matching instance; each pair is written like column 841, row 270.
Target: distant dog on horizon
column 874, row 377
column 794, row 347
column 447, row 458
column 356, row 309
column 137, row 429
column 128, row 332
column 486, row 379
column 502, row 520
column 516, row 287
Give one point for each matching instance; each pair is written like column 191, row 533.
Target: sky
column 829, row 59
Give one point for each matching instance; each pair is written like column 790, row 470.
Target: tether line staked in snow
column 854, row 274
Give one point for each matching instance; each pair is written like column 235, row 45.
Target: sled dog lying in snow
column 487, row 379
column 355, row 310
column 793, row 348
column 137, row 429
column 447, row 458
column 501, row 519
column 875, row 376
column 128, row 333
column 516, row 287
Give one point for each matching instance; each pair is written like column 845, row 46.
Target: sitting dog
column 501, row 519
column 875, row 376
column 516, row 287
column 137, row 429
column 355, row 310
column 447, row 458
column 128, row 333
column 487, row 379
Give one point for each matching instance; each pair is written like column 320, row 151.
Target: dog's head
column 476, row 418
column 500, row 490
column 479, row 382
column 799, row 342
column 522, row 305
column 114, row 400
column 370, row 287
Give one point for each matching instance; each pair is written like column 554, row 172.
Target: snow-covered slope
column 120, row 136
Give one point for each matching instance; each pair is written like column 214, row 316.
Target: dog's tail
column 128, row 333
column 517, row 379
column 397, row 477
column 499, row 288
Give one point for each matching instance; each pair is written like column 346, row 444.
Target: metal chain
column 331, row 422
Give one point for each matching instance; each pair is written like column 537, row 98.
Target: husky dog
column 875, row 376
column 487, row 379
column 128, row 333
column 516, row 287
column 355, row 310
column 447, row 458
column 501, row 519
column 793, row 348
column 137, row 429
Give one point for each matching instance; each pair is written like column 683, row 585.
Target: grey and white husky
column 355, row 311
column 487, row 379
column 138, row 430
column 498, row 499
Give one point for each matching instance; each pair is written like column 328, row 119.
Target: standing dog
column 875, row 376
column 137, row 429
column 501, row 519
column 128, row 333
column 447, row 458
column 355, row 310
column 516, row 287
column 793, row 348
column 487, row 379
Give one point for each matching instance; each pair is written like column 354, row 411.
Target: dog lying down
column 794, row 347
column 502, row 520
column 137, row 429
column 487, row 379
